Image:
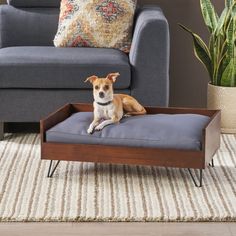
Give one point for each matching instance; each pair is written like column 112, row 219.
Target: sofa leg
column 1, row 130
column 199, row 179
column 52, row 170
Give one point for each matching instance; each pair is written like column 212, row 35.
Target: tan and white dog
column 109, row 108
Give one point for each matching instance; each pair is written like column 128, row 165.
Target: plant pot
column 224, row 99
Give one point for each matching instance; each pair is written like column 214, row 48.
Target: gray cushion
column 182, row 131
column 50, row 67
column 34, row 3
column 28, row 26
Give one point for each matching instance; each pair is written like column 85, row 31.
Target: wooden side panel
column 173, row 110
column 54, row 119
column 82, row 107
column 123, row 155
column 211, row 139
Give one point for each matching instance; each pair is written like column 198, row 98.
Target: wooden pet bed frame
column 133, row 155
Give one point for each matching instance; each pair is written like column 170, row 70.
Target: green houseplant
column 219, row 58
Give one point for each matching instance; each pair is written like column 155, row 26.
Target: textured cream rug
column 98, row 192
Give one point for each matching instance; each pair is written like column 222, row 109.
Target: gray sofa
column 37, row 78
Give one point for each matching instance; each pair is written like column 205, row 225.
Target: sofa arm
column 149, row 57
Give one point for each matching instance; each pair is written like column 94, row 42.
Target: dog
column 110, row 108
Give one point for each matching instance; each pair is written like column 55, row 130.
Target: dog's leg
column 107, row 122
column 136, row 113
column 132, row 107
column 93, row 125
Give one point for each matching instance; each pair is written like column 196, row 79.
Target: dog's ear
column 91, row 79
column 112, row 77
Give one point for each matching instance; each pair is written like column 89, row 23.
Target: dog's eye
column 96, row 87
column 106, row 87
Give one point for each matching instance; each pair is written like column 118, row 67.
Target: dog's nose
column 101, row 94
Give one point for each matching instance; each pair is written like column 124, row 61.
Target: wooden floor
column 115, row 229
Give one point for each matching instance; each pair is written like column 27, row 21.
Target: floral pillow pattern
column 96, row 23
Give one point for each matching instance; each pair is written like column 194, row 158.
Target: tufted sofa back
column 34, row 3
column 27, row 26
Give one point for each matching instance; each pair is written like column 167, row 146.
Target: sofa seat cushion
column 180, row 131
column 50, row 67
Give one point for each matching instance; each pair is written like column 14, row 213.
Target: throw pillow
column 96, row 23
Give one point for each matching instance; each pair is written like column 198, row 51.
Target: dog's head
column 103, row 87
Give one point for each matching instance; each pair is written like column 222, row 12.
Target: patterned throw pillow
column 96, row 23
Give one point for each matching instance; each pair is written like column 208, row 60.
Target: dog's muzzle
column 101, row 94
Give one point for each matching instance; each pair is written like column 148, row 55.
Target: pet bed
column 170, row 137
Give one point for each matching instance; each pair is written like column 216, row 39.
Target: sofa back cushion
column 22, row 25
column 34, row 3
column 27, row 26
column 96, row 23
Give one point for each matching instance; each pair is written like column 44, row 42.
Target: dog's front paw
column 90, row 130
column 99, row 128
column 126, row 115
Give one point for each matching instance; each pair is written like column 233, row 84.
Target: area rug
column 100, row 192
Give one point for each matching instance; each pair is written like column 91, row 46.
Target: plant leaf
column 228, row 3
column 218, row 50
column 228, row 74
column 209, row 15
column 221, row 22
column 233, row 81
column 231, row 13
column 220, row 69
column 212, row 47
column 230, row 38
column 233, row 9
column 200, row 50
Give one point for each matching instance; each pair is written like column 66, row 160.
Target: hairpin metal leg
column 1, row 130
column 52, row 170
column 211, row 164
column 199, row 179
